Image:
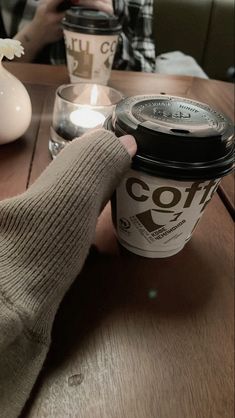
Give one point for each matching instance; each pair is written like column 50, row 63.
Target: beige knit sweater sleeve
column 45, row 235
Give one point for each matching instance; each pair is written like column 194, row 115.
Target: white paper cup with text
column 91, row 39
column 184, row 149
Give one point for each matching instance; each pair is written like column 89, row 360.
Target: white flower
column 10, row 48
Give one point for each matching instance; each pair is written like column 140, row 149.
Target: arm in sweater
column 45, row 235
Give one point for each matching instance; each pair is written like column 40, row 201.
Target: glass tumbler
column 78, row 108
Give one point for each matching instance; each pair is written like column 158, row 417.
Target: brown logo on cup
column 82, row 59
column 108, row 47
column 176, row 195
column 154, row 219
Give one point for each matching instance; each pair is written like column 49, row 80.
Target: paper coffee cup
column 91, row 39
column 155, row 217
column 183, row 149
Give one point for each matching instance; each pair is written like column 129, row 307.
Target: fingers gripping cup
column 184, row 148
column 91, row 38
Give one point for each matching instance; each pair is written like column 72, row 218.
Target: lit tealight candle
column 87, row 118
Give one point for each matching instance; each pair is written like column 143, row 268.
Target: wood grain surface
column 145, row 338
column 135, row 337
column 226, row 192
column 221, row 97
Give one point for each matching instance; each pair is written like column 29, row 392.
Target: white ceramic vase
column 15, row 107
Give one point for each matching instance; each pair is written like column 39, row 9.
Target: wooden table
column 134, row 337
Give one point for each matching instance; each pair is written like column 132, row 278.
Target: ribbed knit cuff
column 45, row 233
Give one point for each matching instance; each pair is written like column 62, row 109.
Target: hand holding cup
column 46, row 23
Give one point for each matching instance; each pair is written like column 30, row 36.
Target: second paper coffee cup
column 91, row 38
column 184, row 148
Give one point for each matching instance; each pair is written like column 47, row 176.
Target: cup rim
column 69, row 85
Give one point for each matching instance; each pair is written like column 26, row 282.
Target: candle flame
column 94, row 95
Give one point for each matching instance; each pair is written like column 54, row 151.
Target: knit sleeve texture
column 45, row 236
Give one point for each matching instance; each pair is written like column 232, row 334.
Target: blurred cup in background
column 91, row 38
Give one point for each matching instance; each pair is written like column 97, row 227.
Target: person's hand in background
column 102, row 5
column 45, row 28
column 37, row 24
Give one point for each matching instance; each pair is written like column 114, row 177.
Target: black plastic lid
column 176, row 137
column 91, row 21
